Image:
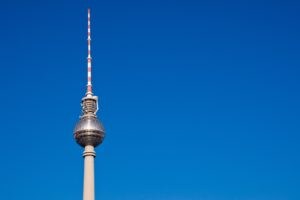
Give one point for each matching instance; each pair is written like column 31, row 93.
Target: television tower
column 89, row 132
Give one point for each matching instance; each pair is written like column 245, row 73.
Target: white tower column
column 89, row 180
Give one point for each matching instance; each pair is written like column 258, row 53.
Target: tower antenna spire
column 89, row 58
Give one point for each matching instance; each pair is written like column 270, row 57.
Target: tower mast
column 89, row 58
column 89, row 132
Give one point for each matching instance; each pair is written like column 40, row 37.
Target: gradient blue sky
column 200, row 99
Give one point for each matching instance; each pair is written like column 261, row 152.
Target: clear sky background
column 200, row 99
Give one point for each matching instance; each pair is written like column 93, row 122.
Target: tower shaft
column 89, row 180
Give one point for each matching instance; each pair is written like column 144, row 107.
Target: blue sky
column 200, row 99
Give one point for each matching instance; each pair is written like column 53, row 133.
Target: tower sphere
column 89, row 131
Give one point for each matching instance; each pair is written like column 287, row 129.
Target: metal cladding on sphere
column 89, row 131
